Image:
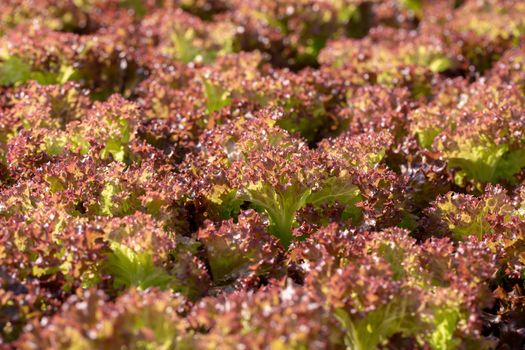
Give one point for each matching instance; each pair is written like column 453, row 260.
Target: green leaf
column 427, row 136
column 216, row 97
column 224, row 202
column 14, row 71
column 44, row 78
column 116, row 146
column 55, row 145
column 413, row 5
column 335, row 190
column 445, row 320
column 440, row 64
column 486, row 161
column 55, row 184
column 338, row 190
column 79, row 143
column 130, row 268
column 67, row 73
column 113, row 204
column 107, row 203
column 510, row 164
column 136, row 5
column 368, row 332
column 280, row 206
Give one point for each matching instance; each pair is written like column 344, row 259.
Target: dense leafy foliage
column 288, row 174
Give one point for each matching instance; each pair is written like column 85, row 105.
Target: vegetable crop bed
column 262, row 174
